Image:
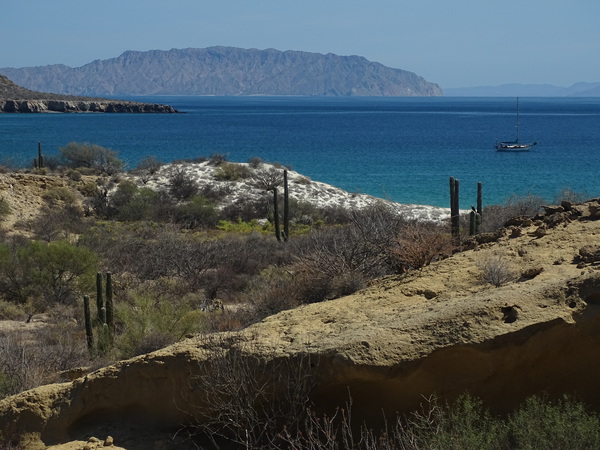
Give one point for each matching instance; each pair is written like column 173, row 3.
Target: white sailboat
column 514, row 146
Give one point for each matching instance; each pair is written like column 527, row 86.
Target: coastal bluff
column 65, row 106
column 16, row 99
column 441, row 330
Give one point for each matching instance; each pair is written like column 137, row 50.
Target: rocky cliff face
column 16, row 99
column 440, row 330
column 40, row 106
column 225, row 71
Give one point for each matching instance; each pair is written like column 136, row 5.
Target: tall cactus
column 99, row 298
column 89, row 334
column 475, row 215
column 40, row 156
column 454, row 209
column 479, row 201
column 276, row 214
column 109, row 303
column 286, row 207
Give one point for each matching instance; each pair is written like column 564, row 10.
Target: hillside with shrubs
column 280, row 307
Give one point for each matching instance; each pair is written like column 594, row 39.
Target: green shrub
column 564, row 424
column 91, row 156
column 181, row 185
column 197, row 212
column 89, row 189
column 146, row 323
column 59, row 193
column 242, row 227
column 231, row 172
column 4, row 208
column 74, row 175
column 52, row 272
column 144, row 204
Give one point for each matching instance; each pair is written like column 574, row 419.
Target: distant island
column 580, row 89
column 16, row 99
column 225, row 71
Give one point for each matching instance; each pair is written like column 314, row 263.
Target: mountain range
column 527, row 90
column 225, row 71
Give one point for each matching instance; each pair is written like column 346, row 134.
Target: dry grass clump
column 496, row 269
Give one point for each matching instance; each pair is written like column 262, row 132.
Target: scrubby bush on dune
column 181, row 185
column 232, row 172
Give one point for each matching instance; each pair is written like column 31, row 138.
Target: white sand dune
column 301, row 188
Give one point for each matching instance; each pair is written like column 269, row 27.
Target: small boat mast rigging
column 514, row 146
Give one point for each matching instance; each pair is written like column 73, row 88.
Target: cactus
column 454, row 209
column 479, row 198
column 40, row 158
column 99, row 297
column 276, row 214
column 109, row 303
column 88, row 322
column 286, row 207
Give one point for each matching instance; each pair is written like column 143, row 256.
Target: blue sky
column 458, row 43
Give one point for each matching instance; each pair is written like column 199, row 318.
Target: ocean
column 402, row 149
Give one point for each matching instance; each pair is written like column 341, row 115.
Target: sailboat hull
column 513, row 147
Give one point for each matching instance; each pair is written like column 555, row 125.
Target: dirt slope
column 441, row 330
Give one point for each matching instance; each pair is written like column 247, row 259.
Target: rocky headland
column 16, row 99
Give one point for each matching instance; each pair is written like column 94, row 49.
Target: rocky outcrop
column 440, row 330
column 16, row 99
column 65, row 106
column 225, row 71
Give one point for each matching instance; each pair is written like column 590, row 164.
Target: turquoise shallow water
column 404, row 149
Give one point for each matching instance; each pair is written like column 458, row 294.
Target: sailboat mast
column 517, row 141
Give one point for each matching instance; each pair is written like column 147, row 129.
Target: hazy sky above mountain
column 456, row 43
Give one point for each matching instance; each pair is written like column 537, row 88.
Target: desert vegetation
column 183, row 261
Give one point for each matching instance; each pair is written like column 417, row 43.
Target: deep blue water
column 404, row 149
